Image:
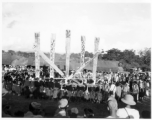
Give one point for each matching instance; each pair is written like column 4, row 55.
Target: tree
column 112, row 54
column 88, row 54
column 145, row 56
column 11, row 52
column 128, row 56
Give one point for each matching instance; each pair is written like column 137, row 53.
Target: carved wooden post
column 82, row 50
column 68, row 39
column 95, row 61
column 52, row 54
column 37, row 56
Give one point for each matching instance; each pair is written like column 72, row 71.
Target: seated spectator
column 146, row 114
column 88, row 113
column 5, row 112
column 128, row 112
column 34, row 111
column 62, row 107
column 112, row 107
column 73, row 113
column 19, row 114
column 49, row 111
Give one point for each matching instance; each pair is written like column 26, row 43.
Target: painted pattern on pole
column 37, row 56
column 68, row 39
column 95, row 61
column 52, row 54
column 82, row 50
column 85, row 64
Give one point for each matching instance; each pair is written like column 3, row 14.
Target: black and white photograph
column 76, row 59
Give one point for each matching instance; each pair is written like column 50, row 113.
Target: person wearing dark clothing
column 88, row 113
column 19, row 114
column 27, row 92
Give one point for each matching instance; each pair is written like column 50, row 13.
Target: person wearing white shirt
column 128, row 112
column 113, row 88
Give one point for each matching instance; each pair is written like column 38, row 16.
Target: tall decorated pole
column 82, row 50
column 52, row 54
column 37, row 56
column 68, row 39
column 82, row 54
column 85, row 64
column 95, row 61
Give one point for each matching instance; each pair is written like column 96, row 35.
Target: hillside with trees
column 127, row 58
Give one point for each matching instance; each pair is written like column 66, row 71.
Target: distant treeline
column 128, row 59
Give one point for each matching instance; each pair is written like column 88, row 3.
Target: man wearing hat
column 62, row 107
column 34, row 111
column 73, row 113
column 128, row 112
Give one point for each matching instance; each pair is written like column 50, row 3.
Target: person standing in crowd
column 92, row 95
column 55, row 94
column 125, row 89
column 128, row 112
column 87, row 95
column 118, row 91
column 147, row 86
column 111, row 97
column 135, row 91
column 99, row 97
column 106, row 90
column 141, row 90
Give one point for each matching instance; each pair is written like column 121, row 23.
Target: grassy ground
column 100, row 110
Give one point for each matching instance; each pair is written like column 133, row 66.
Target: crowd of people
column 110, row 88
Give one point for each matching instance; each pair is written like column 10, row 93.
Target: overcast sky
column 119, row 25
